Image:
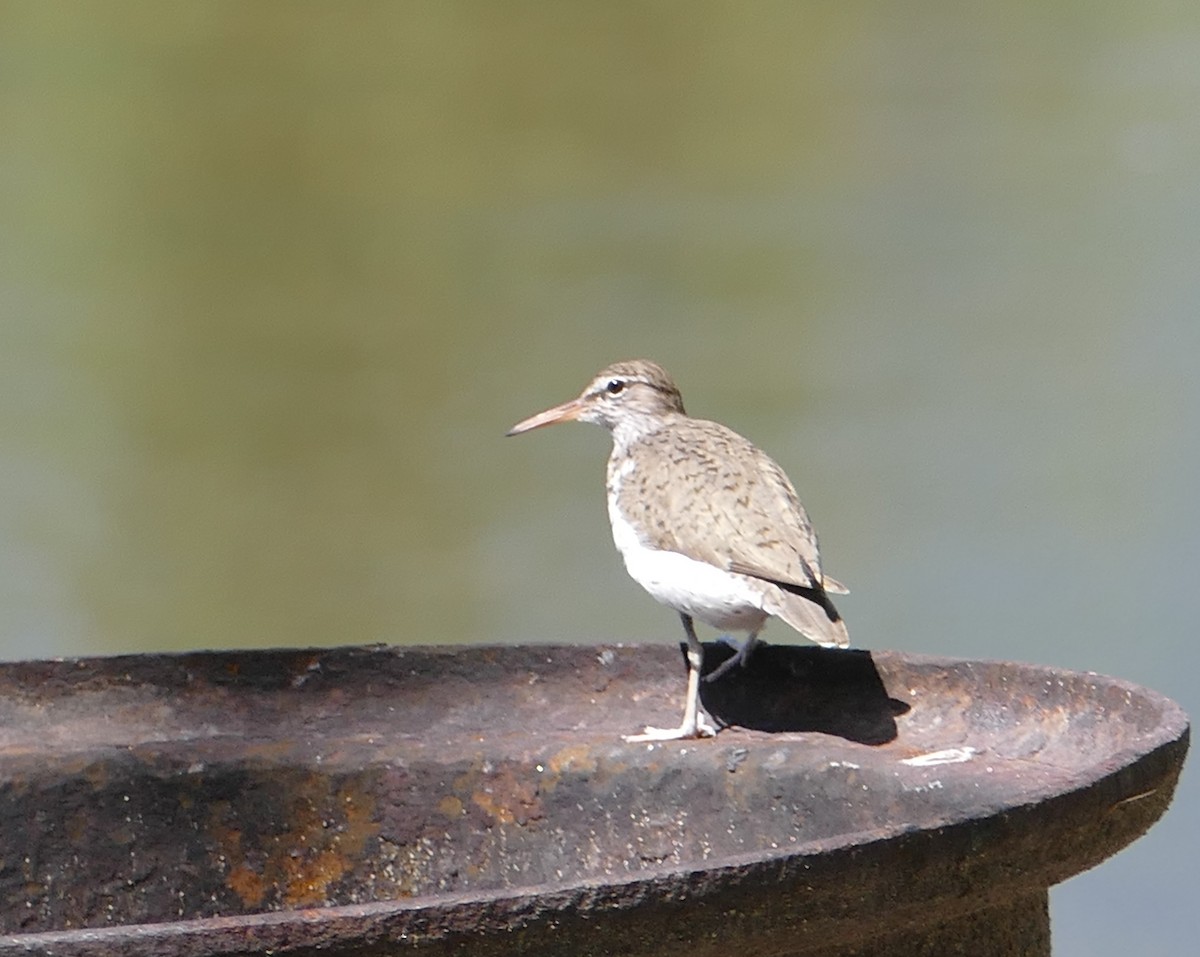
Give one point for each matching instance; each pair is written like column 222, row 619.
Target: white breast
column 714, row 596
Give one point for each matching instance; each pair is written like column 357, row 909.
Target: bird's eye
column 615, row 387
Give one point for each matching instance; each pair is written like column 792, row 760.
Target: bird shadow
column 789, row 688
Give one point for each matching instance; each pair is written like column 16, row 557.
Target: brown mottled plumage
column 707, row 522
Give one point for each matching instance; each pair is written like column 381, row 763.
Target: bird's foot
column 700, row 728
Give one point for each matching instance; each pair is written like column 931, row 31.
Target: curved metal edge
column 975, row 863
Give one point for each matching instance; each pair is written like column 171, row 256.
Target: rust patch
column 248, row 885
column 307, row 878
column 508, row 798
column 333, row 847
column 321, row 836
column 575, row 757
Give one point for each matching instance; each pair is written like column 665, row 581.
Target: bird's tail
column 811, row 613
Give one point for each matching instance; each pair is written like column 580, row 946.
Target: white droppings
column 946, row 756
column 929, row 786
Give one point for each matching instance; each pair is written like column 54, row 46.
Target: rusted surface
column 481, row 800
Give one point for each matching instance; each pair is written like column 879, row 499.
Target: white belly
column 716, row 597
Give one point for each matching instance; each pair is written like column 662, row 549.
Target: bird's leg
column 695, row 723
column 739, row 658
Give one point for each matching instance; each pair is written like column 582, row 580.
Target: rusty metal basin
column 480, row 800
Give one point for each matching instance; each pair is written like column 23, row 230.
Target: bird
column 705, row 521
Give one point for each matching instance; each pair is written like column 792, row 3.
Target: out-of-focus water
column 275, row 279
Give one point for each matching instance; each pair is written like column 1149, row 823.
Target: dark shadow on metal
column 788, row 688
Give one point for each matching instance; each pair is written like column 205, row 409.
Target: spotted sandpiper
column 707, row 523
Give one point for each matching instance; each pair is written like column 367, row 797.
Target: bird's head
column 636, row 394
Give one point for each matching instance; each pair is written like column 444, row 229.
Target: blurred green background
column 276, row 277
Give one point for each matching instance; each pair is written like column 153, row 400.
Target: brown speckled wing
column 728, row 503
